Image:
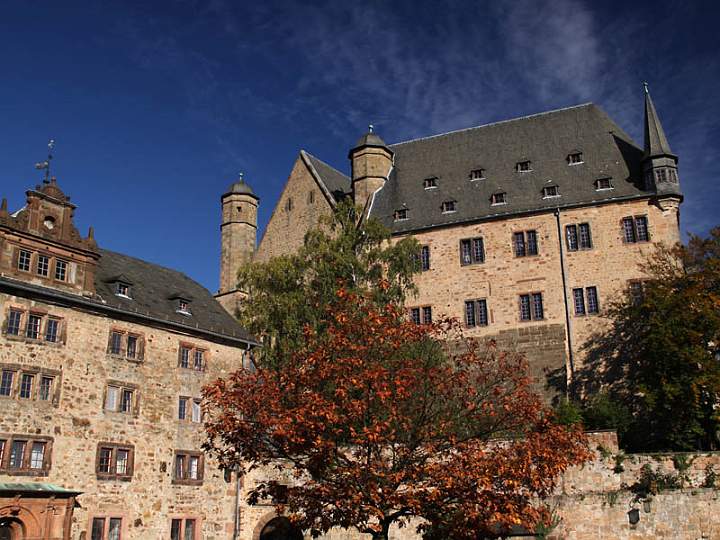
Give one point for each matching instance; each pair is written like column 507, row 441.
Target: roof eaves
column 318, row 179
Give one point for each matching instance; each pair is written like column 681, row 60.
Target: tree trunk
column 382, row 535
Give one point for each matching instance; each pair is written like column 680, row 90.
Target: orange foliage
column 382, row 420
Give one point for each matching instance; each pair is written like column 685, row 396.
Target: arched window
column 280, row 528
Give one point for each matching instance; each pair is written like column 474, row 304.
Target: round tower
column 238, row 233
column 371, row 162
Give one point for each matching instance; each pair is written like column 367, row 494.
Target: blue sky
column 156, row 106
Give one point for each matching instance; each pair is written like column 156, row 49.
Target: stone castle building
column 528, row 226
column 102, row 362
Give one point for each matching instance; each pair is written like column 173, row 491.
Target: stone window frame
column 582, row 294
column 185, row 455
column 526, row 243
column 45, row 316
column 532, row 295
column 419, row 314
column 35, row 254
column 38, row 372
column 125, row 334
column 122, row 386
column 573, row 236
column 472, row 244
column 183, row 518
column 476, row 304
column 634, row 222
column 193, row 349
column 423, row 258
column 25, row 469
column 189, row 402
column 114, row 447
column 106, row 517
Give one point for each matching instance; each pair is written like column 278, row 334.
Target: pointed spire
column 656, row 144
column 3, row 205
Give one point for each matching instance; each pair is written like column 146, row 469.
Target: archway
column 280, row 528
column 11, row 529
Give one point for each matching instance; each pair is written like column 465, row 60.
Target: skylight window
column 430, row 183
column 575, row 158
column 603, row 184
column 550, row 192
column 523, row 166
column 401, row 214
column 477, row 174
column 498, row 198
column 448, row 206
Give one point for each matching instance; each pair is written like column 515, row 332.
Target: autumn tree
column 289, row 292
column 660, row 359
column 381, row 421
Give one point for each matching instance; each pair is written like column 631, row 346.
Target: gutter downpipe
column 571, row 360
column 236, row 529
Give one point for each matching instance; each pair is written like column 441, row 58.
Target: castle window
column 114, row 462
column 126, row 345
column 523, row 166
column 32, row 328
column 190, row 409
column 477, row 174
column 26, row 385
column 25, row 455
column 191, row 357
column 43, row 265
column 525, row 243
column 289, row 204
column 575, row 158
column 46, row 386
column 498, row 198
column 311, row 197
column 472, row 251
column 421, row 315
column 578, row 236
column 430, row 183
column 120, row 399
column 6, row 382
column 476, row 313
column 448, row 207
column 183, row 529
column 636, row 291
column 401, row 215
column 24, row 257
column 13, row 322
column 52, row 327
column 60, row 270
column 531, row 307
column 122, row 289
column 661, row 175
column 106, row 528
column 602, row 184
column 188, row 468
column 672, row 176
column 425, row 258
column 635, row 229
column 550, row 192
column 581, row 308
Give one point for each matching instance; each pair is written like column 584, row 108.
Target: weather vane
column 45, row 165
column 370, row 128
column 240, row 176
column 645, row 85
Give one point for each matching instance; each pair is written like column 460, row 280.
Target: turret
column 238, row 235
column 371, row 161
column 659, row 162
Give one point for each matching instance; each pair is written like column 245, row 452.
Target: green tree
column 292, row 291
column 660, row 357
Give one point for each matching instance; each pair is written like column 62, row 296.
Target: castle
column 528, row 226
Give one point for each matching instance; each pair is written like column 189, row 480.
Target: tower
column 371, row 161
column 659, row 163
column 238, row 233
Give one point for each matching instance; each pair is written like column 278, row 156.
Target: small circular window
column 49, row 222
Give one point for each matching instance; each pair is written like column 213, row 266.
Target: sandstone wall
column 78, row 422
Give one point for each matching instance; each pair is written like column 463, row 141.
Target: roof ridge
column 173, row 270
column 313, row 156
column 586, row 104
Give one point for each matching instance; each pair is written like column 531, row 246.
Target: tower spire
column 656, row 143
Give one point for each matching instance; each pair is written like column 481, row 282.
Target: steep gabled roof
column 332, row 181
column 656, row 143
column 545, row 140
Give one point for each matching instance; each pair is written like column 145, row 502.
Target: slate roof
column 656, row 143
column 337, row 184
column 544, row 139
column 155, row 290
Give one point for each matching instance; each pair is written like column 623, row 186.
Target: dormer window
column 122, row 289
column 401, row 214
column 430, row 183
column 523, row 166
column 575, row 158
column 477, row 174
column 183, row 307
column 448, row 206
column 498, row 198
column 550, row 192
column 602, row 184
